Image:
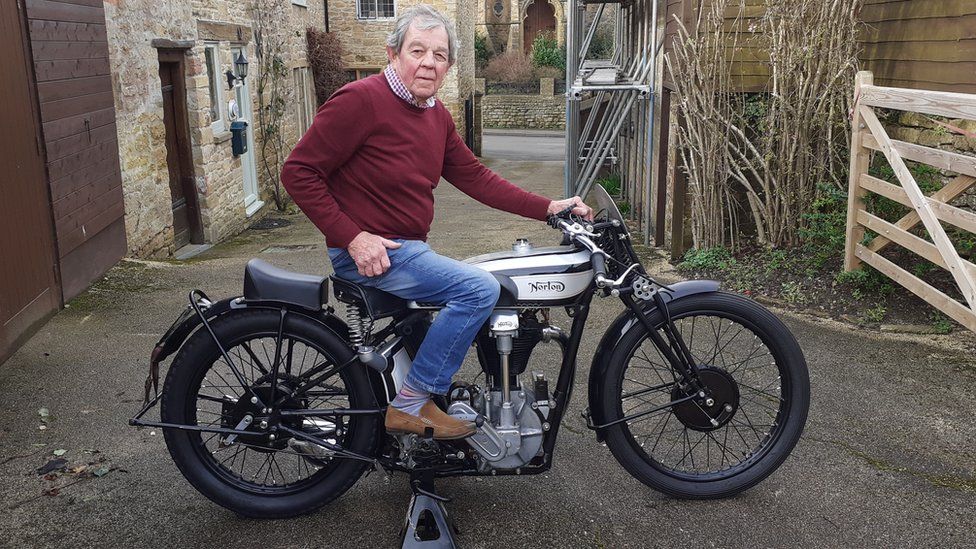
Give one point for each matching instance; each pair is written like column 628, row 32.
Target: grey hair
column 424, row 17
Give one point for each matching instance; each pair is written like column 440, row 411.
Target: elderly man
column 365, row 173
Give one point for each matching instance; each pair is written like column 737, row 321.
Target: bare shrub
column 703, row 84
column 812, row 60
column 272, row 91
column 511, row 67
column 777, row 149
column 325, row 59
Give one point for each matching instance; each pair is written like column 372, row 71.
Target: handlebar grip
column 553, row 219
column 599, row 262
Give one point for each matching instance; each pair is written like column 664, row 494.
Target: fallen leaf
column 101, row 471
column 53, row 465
column 60, row 452
column 51, row 492
column 51, row 476
column 78, row 469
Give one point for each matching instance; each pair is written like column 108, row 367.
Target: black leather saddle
column 265, row 282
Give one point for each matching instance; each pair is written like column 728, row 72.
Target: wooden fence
column 868, row 135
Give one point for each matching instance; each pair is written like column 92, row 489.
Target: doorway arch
column 538, row 17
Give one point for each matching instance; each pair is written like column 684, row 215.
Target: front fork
column 672, row 345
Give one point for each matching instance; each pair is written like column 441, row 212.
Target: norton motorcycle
column 273, row 405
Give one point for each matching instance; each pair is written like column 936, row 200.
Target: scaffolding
column 620, row 94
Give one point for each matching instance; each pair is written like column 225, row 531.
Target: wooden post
column 679, row 188
column 860, row 162
column 661, row 181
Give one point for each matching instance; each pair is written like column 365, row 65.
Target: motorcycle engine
column 500, row 445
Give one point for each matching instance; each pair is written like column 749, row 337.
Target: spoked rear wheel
column 269, row 472
column 728, row 440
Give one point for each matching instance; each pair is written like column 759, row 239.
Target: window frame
column 217, row 125
column 361, row 17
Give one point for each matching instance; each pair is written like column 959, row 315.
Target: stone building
column 362, row 26
column 181, row 181
column 514, row 24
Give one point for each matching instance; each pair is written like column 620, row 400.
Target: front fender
column 624, row 321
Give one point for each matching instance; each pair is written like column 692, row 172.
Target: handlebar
column 580, row 231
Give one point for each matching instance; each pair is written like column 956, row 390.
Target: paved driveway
column 887, row 458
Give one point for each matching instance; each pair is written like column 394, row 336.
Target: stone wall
column 918, row 128
column 135, row 29
column 914, row 127
column 545, row 111
column 139, row 115
column 364, row 45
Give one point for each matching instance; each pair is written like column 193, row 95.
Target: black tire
column 203, row 457
column 644, row 380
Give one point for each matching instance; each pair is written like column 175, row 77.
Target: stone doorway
column 540, row 17
column 187, row 228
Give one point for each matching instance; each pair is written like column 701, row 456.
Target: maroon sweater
column 370, row 162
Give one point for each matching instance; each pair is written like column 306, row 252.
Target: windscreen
column 599, row 200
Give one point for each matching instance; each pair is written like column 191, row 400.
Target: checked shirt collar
column 401, row 90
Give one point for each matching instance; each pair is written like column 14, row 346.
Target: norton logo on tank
column 547, row 286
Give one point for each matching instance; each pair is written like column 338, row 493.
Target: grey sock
column 410, row 399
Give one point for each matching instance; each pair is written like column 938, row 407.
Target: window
column 359, row 74
column 375, row 9
column 216, row 90
column 305, row 98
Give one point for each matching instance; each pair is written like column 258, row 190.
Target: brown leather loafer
column 431, row 417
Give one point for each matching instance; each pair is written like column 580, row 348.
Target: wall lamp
column 240, row 64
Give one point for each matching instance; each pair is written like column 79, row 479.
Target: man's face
column 422, row 62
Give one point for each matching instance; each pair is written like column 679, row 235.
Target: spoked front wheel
column 270, row 472
column 723, row 442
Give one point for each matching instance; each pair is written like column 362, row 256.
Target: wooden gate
column 29, row 288
column 868, row 134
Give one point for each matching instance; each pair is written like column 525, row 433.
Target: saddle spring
column 360, row 324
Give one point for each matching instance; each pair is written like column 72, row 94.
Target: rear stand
column 427, row 524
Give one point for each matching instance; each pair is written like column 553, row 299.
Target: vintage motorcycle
column 273, row 405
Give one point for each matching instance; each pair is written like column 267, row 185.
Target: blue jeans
column 416, row 272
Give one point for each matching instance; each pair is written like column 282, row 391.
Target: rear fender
column 619, row 327
column 189, row 321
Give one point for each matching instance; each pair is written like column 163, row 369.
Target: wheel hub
column 715, row 408
column 265, row 421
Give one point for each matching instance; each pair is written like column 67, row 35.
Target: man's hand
column 579, row 209
column 369, row 253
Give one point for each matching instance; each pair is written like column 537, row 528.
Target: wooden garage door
column 29, row 289
column 74, row 90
